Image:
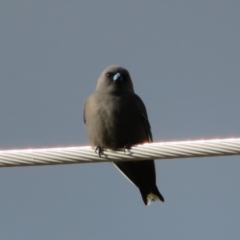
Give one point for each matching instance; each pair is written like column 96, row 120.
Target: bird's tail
column 152, row 195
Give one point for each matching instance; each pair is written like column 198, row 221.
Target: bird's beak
column 117, row 77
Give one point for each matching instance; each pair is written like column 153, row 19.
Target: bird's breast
column 115, row 121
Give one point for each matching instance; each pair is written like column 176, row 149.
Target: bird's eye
column 109, row 75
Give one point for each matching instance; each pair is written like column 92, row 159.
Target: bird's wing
column 144, row 117
column 84, row 117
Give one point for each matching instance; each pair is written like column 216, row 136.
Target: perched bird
column 116, row 117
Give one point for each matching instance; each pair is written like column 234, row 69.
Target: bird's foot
column 128, row 146
column 99, row 150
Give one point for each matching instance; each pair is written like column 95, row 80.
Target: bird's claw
column 128, row 146
column 99, row 150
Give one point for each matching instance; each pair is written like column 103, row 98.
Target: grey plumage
column 116, row 117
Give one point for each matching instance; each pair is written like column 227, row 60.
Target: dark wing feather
column 144, row 117
column 84, row 117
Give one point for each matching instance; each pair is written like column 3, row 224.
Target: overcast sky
column 184, row 59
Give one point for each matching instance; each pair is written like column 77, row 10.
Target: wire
column 157, row 150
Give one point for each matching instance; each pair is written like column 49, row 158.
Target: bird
column 116, row 117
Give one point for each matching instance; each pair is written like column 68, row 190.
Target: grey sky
column 184, row 59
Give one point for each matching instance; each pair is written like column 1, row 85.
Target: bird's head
column 115, row 79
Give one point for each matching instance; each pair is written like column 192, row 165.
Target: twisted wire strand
column 86, row 154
